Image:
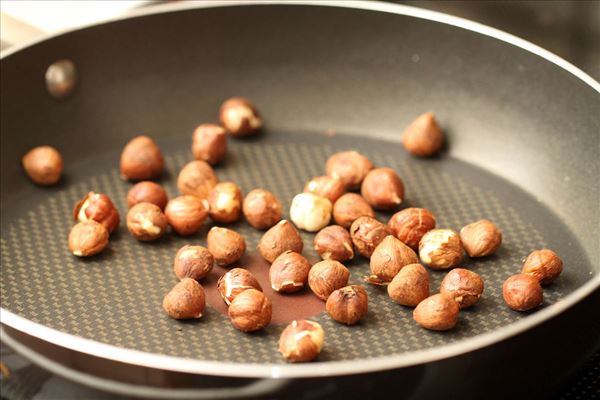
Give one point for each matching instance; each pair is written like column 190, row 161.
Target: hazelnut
column 147, row 192
column 334, row 243
column 186, row 300
column 289, row 272
column 141, row 159
column 97, row 207
column 44, row 165
column 209, row 143
column 226, row 245
column 349, row 207
column 350, row 167
column 464, row 286
column 197, row 178
column 325, row 186
column 544, row 264
column 234, row 282
column 423, row 137
column 367, row 233
column 250, row 310
column 193, row 262
column 441, row 249
column 410, row 224
column 239, row 117
column 279, row 239
column 146, row 222
column 481, row 238
column 310, row 212
column 382, row 188
column 88, row 238
column 522, row 292
column 438, row 312
column 326, row 276
column 186, row 214
column 348, row 304
column 225, row 202
column 410, row 286
column 261, row 209
column 388, row 258
column 301, row 341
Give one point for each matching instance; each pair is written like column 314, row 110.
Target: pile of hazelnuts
column 396, row 251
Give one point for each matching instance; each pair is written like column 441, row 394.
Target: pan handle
column 258, row 388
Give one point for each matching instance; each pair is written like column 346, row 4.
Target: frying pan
column 523, row 149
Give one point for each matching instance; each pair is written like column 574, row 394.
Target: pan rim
column 316, row 369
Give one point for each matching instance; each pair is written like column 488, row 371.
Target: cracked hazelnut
column 250, row 310
column 464, row 286
column 382, row 188
column 438, row 312
column 367, row 233
column 481, row 238
column 197, row 178
column 326, row 276
column 44, row 165
column 193, row 262
column 441, row 249
column 543, row 264
column 388, row 258
column 310, row 212
column 225, row 202
column 234, row 282
column 226, row 245
column 349, row 207
column 146, row 222
column 423, row 137
column 147, row 192
column 350, row 167
column 325, row 186
column 410, row 286
column 186, row 300
column 141, row 159
column 209, row 143
column 88, row 238
column 240, row 117
column 97, row 207
column 410, row 224
column 301, row 341
column 348, row 304
column 261, row 209
column 334, row 243
column 279, row 239
column 186, row 214
column 289, row 272
column 522, row 292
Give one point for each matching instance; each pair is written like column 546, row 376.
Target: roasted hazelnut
column 239, row 117
column 141, row 159
column 367, row 233
column 197, row 178
column 209, row 143
column 481, row 238
column 423, row 137
column 97, row 207
column 326, row 276
column 250, row 310
column 522, row 292
column 348, row 304
column 388, row 258
column 438, row 312
column 410, row 286
column 350, row 167
column 544, row 264
column 325, row 186
column 147, row 192
column 382, row 188
column 193, row 262
column 44, row 165
column 225, row 202
column 334, row 243
column 226, row 245
column 349, row 207
column 441, row 249
column 186, row 300
column 279, row 239
column 289, row 272
column 261, row 209
column 146, row 222
column 464, row 286
column 301, row 341
column 410, row 224
column 310, row 212
column 186, row 214
column 88, row 238
column 234, row 282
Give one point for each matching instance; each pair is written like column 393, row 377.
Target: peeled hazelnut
column 310, row 212
column 250, row 310
column 88, row 238
column 226, row 245
column 279, row 239
column 239, row 117
column 349, row 207
column 209, row 143
column 367, row 233
column 388, row 258
column 334, row 243
column 186, row 300
column 410, row 286
column 193, row 262
column 261, row 209
column 382, row 188
column 464, row 286
column 441, row 249
column 350, row 167
column 97, row 207
column 410, row 224
column 348, row 304
column 197, row 178
column 186, row 214
column 289, row 272
column 225, row 202
column 438, row 312
column 146, row 222
column 44, row 165
column 423, row 137
column 147, row 192
column 234, row 282
column 326, row 276
column 522, row 292
column 301, row 341
column 543, row 264
column 481, row 238
column 141, row 159
column 325, row 186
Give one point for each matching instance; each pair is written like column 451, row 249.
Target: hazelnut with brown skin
column 146, row 222
column 348, row 304
column 326, row 276
column 481, row 238
column 389, row 257
column 310, row 212
column 279, row 239
column 410, row 224
column 209, row 143
column 301, row 341
column 383, row 189
column 261, row 209
column 438, row 312
column 441, row 249
column 410, row 286
column 186, row 214
column 141, row 159
column 88, row 238
column 350, row 167
column 325, row 186
column 289, row 272
column 423, row 137
column 250, row 311
column 464, row 286
column 193, row 262
column 186, row 300
column 226, row 245
column 44, row 165
column 522, row 292
column 367, row 233
column 334, row 243
column 97, row 207
column 240, row 117
column 147, row 192
column 543, row 264
column 197, row 178
column 349, row 207
column 234, row 282
column 225, row 202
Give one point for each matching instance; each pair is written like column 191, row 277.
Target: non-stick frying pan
column 523, row 149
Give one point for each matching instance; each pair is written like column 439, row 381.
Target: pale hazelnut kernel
column 410, row 224
column 543, row 264
column 147, row 192
column 410, row 286
column 279, row 239
column 464, row 286
column 326, row 276
column 234, row 282
column 146, row 222
column 522, row 292
column 44, row 165
column 226, row 245
column 289, row 272
column 310, row 212
column 186, row 214
column 197, row 178
column 97, row 207
column 423, row 137
column 186, row 300
column 141, row 159
column 350, row 167
column 250, row 310
column 209, row 143
column 325, row 186
column 383, row 189
column 441, row 249
column 388, row 258
column 334, row 243
column 194, row 262
column 349, row 207
column 301, row 341
column 367, row 233
column 348, row 304
column 88, row 238
column 225, row 202
column 240, row 117
column 438, row 312
column 261, row 209
column 481, row 238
